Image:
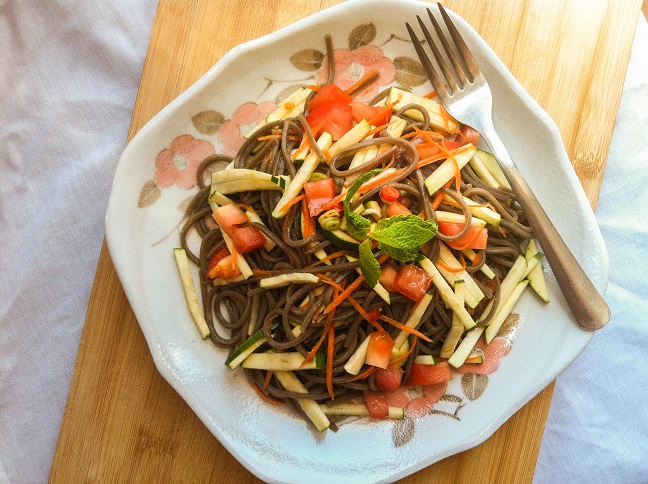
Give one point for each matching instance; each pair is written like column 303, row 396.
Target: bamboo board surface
column 124, row 423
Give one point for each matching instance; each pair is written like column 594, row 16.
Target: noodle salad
column 350, row 249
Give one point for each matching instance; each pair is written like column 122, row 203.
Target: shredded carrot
column 235, row 255
column 407, row 329
column 334, row 255
column 468, row 243
column 338, row 300
column 430, row 95
column 383, row 258
column 327, row 280
column 314, row 87
column 365, row 314
column 380, row 180
column 295, row 201
column 501, row 231
column 451, row 269
column 378, row 129
column 309, row 223
column 446, row 119
column 266, row 397
column 260, row 272
column 268, row 377
column 409, row 352
column 371, row 76
column 364, row 374
column 334, row 201
column 437, row 200
column 329, row 360
column 477, row 259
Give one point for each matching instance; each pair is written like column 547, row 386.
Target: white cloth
column 597, row 429
column 69, row 73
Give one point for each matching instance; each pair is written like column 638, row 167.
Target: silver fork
column 467, row 97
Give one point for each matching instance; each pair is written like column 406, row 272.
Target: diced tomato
column 374, row 314
column 412, row 282
column 376, row 403
column 429, row 374
column 335, row 118
column 225, row 268
column 468, row 135
column 376, row 115
column 218, row 255
column 388, row 379
column 247, row 238
column 476, row 238
column 380, row 349
column 227, row 216
column 428, row 149
column 318, row 194
column 397, row 208
column 328, row 94
column 388, row 273
column 389, row 194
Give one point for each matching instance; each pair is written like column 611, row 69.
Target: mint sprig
column 400, row 236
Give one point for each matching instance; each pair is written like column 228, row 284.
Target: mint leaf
column 355, row 220
column 406, row 232
column 357, row 226
column 368, row 263
column 401, row 255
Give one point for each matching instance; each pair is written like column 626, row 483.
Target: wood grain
column 124, row 423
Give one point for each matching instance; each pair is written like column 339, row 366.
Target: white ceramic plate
column 152, row 184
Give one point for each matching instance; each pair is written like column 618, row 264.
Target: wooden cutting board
column 124, row 423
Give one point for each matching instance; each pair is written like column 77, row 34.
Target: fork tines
column 465, row 68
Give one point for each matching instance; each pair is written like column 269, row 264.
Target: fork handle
column 588, row 306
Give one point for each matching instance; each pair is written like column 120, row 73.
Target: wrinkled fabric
column 69, row 73
column 597, row 429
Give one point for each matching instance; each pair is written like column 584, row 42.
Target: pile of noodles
column 235, row 311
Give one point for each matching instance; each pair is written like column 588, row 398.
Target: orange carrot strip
column 266, row 397
column 477, row 258
column 409, row 352
column 371, row 76
column 334, row 201
column 364, row 374
column 268, row 377
column 378, row 129
column 334, row 255
column 338, row 300
column 430, row 95
column 407, row 329
column 314, row 87
column 260, row 272
column 437, row 201
column 451, row 269
column 365, row 314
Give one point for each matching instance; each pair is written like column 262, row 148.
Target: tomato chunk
column 318, row 194
column 389, row 194
column 335, row 118
column 247, row 238
column 388, row 379
column 225, row 268
column 228, row 216
column 412, row 282
column 376, row 403
column 387, row 276
column 429, row 374
column 476, row 238
column 380, row 349
column 376, row 115
column 468, row 135
column 397, row 208
column 328, row 94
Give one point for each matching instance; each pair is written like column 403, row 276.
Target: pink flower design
column 492, row 353
column 179, row 162
column 245, row 118
column 353, row 65
column 418, row 406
